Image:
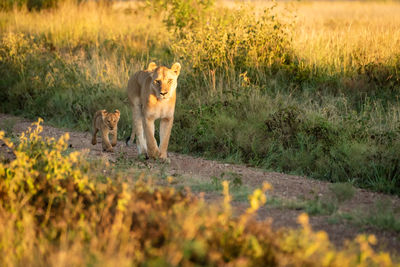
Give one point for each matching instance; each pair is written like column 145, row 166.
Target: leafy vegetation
column 342, row 191
column 179, row 14
column 7, row 126
column 380, row 216
column 315, row 206
column 57, row 210
column 239, row 191
column 254, row 89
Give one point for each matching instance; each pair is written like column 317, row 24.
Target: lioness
column 152, row 95
column 106, row 123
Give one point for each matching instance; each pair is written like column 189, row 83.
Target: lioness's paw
column 108, row 149
column 164, row 160
column 154, row 154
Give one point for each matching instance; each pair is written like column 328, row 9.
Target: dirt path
column 286, row 188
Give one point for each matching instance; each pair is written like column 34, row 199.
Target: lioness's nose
column 163, row 93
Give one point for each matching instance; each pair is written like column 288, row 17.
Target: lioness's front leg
column 165, row 133
column 152, row 149
column 105, row 142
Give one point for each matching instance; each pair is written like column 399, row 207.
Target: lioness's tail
column 127, row 141
column 131, row 137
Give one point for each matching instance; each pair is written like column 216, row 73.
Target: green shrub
column 342, row 191
column 180, row 14
column 236, row 40
column 38, row 5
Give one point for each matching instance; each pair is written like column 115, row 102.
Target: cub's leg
column 105, row 141
column 114, row 137
column 165, row 133
column 137, row 128
column 152, row 149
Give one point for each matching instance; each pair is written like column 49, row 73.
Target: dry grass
column 342, row 35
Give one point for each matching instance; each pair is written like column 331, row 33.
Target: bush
column 180, row 14
column 236, row 40
column 54, row 210
column 37, row 5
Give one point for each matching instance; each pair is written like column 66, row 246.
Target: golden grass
column 91, row 29
column 337, row 36
column 72, row 25
column 340, row 35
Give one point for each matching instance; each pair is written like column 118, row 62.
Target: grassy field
column 305, row 88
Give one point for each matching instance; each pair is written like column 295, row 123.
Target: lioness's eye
column 157, row 82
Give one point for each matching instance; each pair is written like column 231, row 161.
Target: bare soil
column 288, row 187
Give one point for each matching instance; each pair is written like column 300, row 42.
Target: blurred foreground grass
column 57, row 209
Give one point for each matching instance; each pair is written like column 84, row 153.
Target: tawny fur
column 152, row 96
column 106, row 123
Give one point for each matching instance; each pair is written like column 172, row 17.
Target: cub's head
column 110, row 119
column 164, row 80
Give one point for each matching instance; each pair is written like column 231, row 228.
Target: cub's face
column 164, row 81
column 111, row 119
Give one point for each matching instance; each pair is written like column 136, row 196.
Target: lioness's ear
column 176, row 68
column 152, row 66
column 103, row 114
column 117, row 112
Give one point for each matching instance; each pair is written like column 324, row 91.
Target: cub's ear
column 117, row 112
column 152, row 66
column 176, row 68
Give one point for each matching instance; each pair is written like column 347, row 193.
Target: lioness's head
column 110, row 119
column 164, row 80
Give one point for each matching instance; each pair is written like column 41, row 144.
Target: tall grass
column 342, row 37
column 272, row 86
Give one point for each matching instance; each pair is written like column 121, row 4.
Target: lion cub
column 152, row 96
column 106, row 123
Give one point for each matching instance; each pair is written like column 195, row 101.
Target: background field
column 306, row 88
